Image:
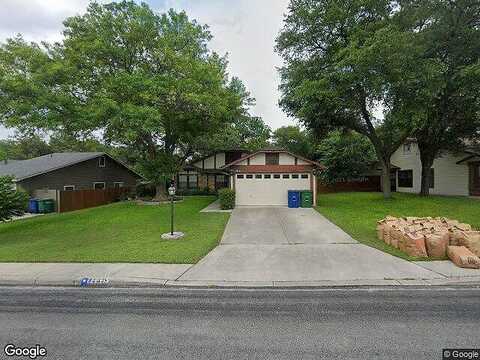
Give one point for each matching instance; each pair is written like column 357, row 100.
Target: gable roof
column 25, row 169
column 270, row 150
column 206, row 156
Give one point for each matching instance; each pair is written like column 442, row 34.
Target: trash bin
column 306, row 199
column 293, row 198
column 33, row 206
column 46, row 206
column 49, row 205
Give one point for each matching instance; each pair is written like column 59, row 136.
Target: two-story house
column 452, row 173
column 260, row 178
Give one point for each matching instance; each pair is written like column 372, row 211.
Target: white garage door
column 268, row 189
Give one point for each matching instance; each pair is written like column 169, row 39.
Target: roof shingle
column 27, row 168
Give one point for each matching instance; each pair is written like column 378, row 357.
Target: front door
column 474, row 179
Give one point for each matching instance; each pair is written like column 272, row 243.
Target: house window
column 187, row 181
column 294, row 176
column 249, row 176
column 405, row 178
column 304, row 176
column 69, row 187
column 182, row 181
column 240, row 176
column 286, row 176
column 118, row 184
column 432, row 178
column 276, row 176
column 221, row 181
column 99, row 185
column 267, row 176
column 192, row 181
column 101, row 161
column 272, row 158
column 258, row 176
column 407, row 148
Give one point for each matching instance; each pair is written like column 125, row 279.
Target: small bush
column 144, row 190
column 12, row 202
column 203, row 191
column 227, row 198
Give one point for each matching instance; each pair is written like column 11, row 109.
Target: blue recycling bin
column 293, row 198
column 33, row 206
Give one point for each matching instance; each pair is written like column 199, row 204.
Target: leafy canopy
column 142, row 80
column 343, row 61
column 295, row 140
column 346, row 156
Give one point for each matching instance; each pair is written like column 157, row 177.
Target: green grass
column 121, row 232
column 357, row 213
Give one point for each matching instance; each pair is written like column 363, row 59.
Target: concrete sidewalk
column 172, row 275
column 70, row 274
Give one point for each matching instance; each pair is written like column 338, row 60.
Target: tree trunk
column 427, row 162
column 386, row 183
column 160, row 192
column 428, row 153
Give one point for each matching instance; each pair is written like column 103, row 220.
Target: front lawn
column 121, row 232
column 358, row 213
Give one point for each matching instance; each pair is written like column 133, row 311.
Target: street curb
column 172, row 284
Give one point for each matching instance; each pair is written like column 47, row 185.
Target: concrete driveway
column 295, row 245
column 277, row 226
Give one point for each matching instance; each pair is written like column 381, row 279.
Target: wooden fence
column 82, row 199
column 367, row 183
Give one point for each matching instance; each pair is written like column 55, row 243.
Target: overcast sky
column 245, row 29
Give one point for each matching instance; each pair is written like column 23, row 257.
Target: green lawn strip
column 121, row 232
column 358, row 213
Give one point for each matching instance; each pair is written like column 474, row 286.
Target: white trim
column 99, row 182
column 72, row 186
column 122, row 184
column 100, row 162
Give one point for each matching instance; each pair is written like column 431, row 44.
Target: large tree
column 243, row 132
column 295, row 140
column 446, row 104
column 341, row 59
column 23, row 147
column 246, row 132
column 142, row 80
column 346, row 155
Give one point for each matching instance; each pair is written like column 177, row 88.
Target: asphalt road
column 129, row 324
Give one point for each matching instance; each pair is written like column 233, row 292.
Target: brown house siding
column 82, row 175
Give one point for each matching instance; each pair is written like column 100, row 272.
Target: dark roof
column 25, row 169
column 377, row 165
column 206, row 156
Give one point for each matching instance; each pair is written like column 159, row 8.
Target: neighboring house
column 70, row 171
column 260, row 178
column 452, row 173
column 207, row 172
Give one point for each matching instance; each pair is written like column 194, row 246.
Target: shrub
column 203, row 191
column 12, row 201
column 227, row 198
column 144, row 190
